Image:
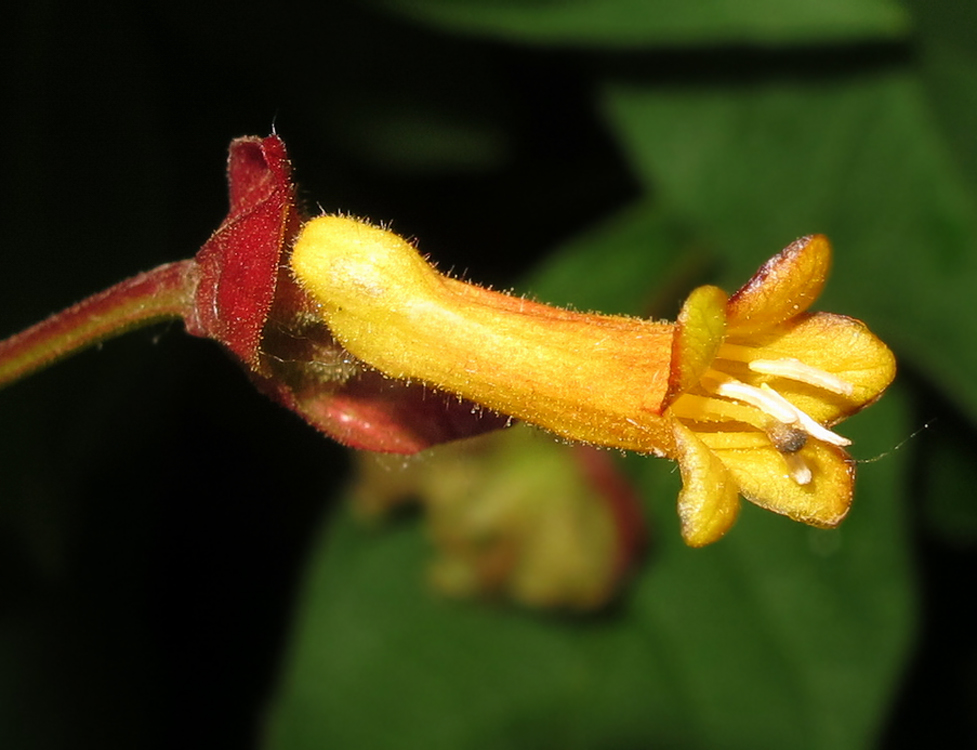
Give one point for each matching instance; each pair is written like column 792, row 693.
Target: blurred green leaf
column 777, row 636
column 857, row 157
column 629, row 23
column 948, row 65
column 412, row 139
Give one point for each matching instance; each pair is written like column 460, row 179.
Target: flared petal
column 835, row 344
column 699, row 333
column 785, row 286
column 763, row 476
column 709, row 501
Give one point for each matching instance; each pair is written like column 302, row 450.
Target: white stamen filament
column 794, row 369
column 782, row 410
column 767, row 400
column 812, row 428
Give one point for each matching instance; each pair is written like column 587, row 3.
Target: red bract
column 238, row 267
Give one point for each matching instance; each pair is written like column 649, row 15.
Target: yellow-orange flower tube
column 742, row 390
column 594, row 378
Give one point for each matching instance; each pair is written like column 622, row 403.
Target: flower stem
column 165, row 293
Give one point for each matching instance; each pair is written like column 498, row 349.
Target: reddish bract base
column 245, row 299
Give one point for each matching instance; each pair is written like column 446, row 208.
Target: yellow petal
column 698, row 335
column 764, row 478
column 708, row 503
column 836, row 344
column 785, row 286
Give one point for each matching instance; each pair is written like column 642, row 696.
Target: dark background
column 155, row 513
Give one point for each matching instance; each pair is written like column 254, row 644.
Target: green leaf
column 632, row 23
column 416, row 140
column 777, row 636
column 860, row 158
column 948, row 66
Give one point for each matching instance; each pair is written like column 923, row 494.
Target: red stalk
column 165, row 293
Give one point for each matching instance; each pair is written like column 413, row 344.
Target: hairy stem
column 165, row 293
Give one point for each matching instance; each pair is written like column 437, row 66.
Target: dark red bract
column 238, row 266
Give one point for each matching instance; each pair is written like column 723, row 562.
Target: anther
column 786, row 438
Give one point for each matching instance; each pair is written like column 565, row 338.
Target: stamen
column 767, row 400
column 800, row 472
column 794, row 369
column 710, row 409
column 781, row 410
column 812, row 428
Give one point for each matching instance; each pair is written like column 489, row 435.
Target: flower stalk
column 165, row 293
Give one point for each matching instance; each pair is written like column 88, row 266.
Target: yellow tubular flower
column 741, row 391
